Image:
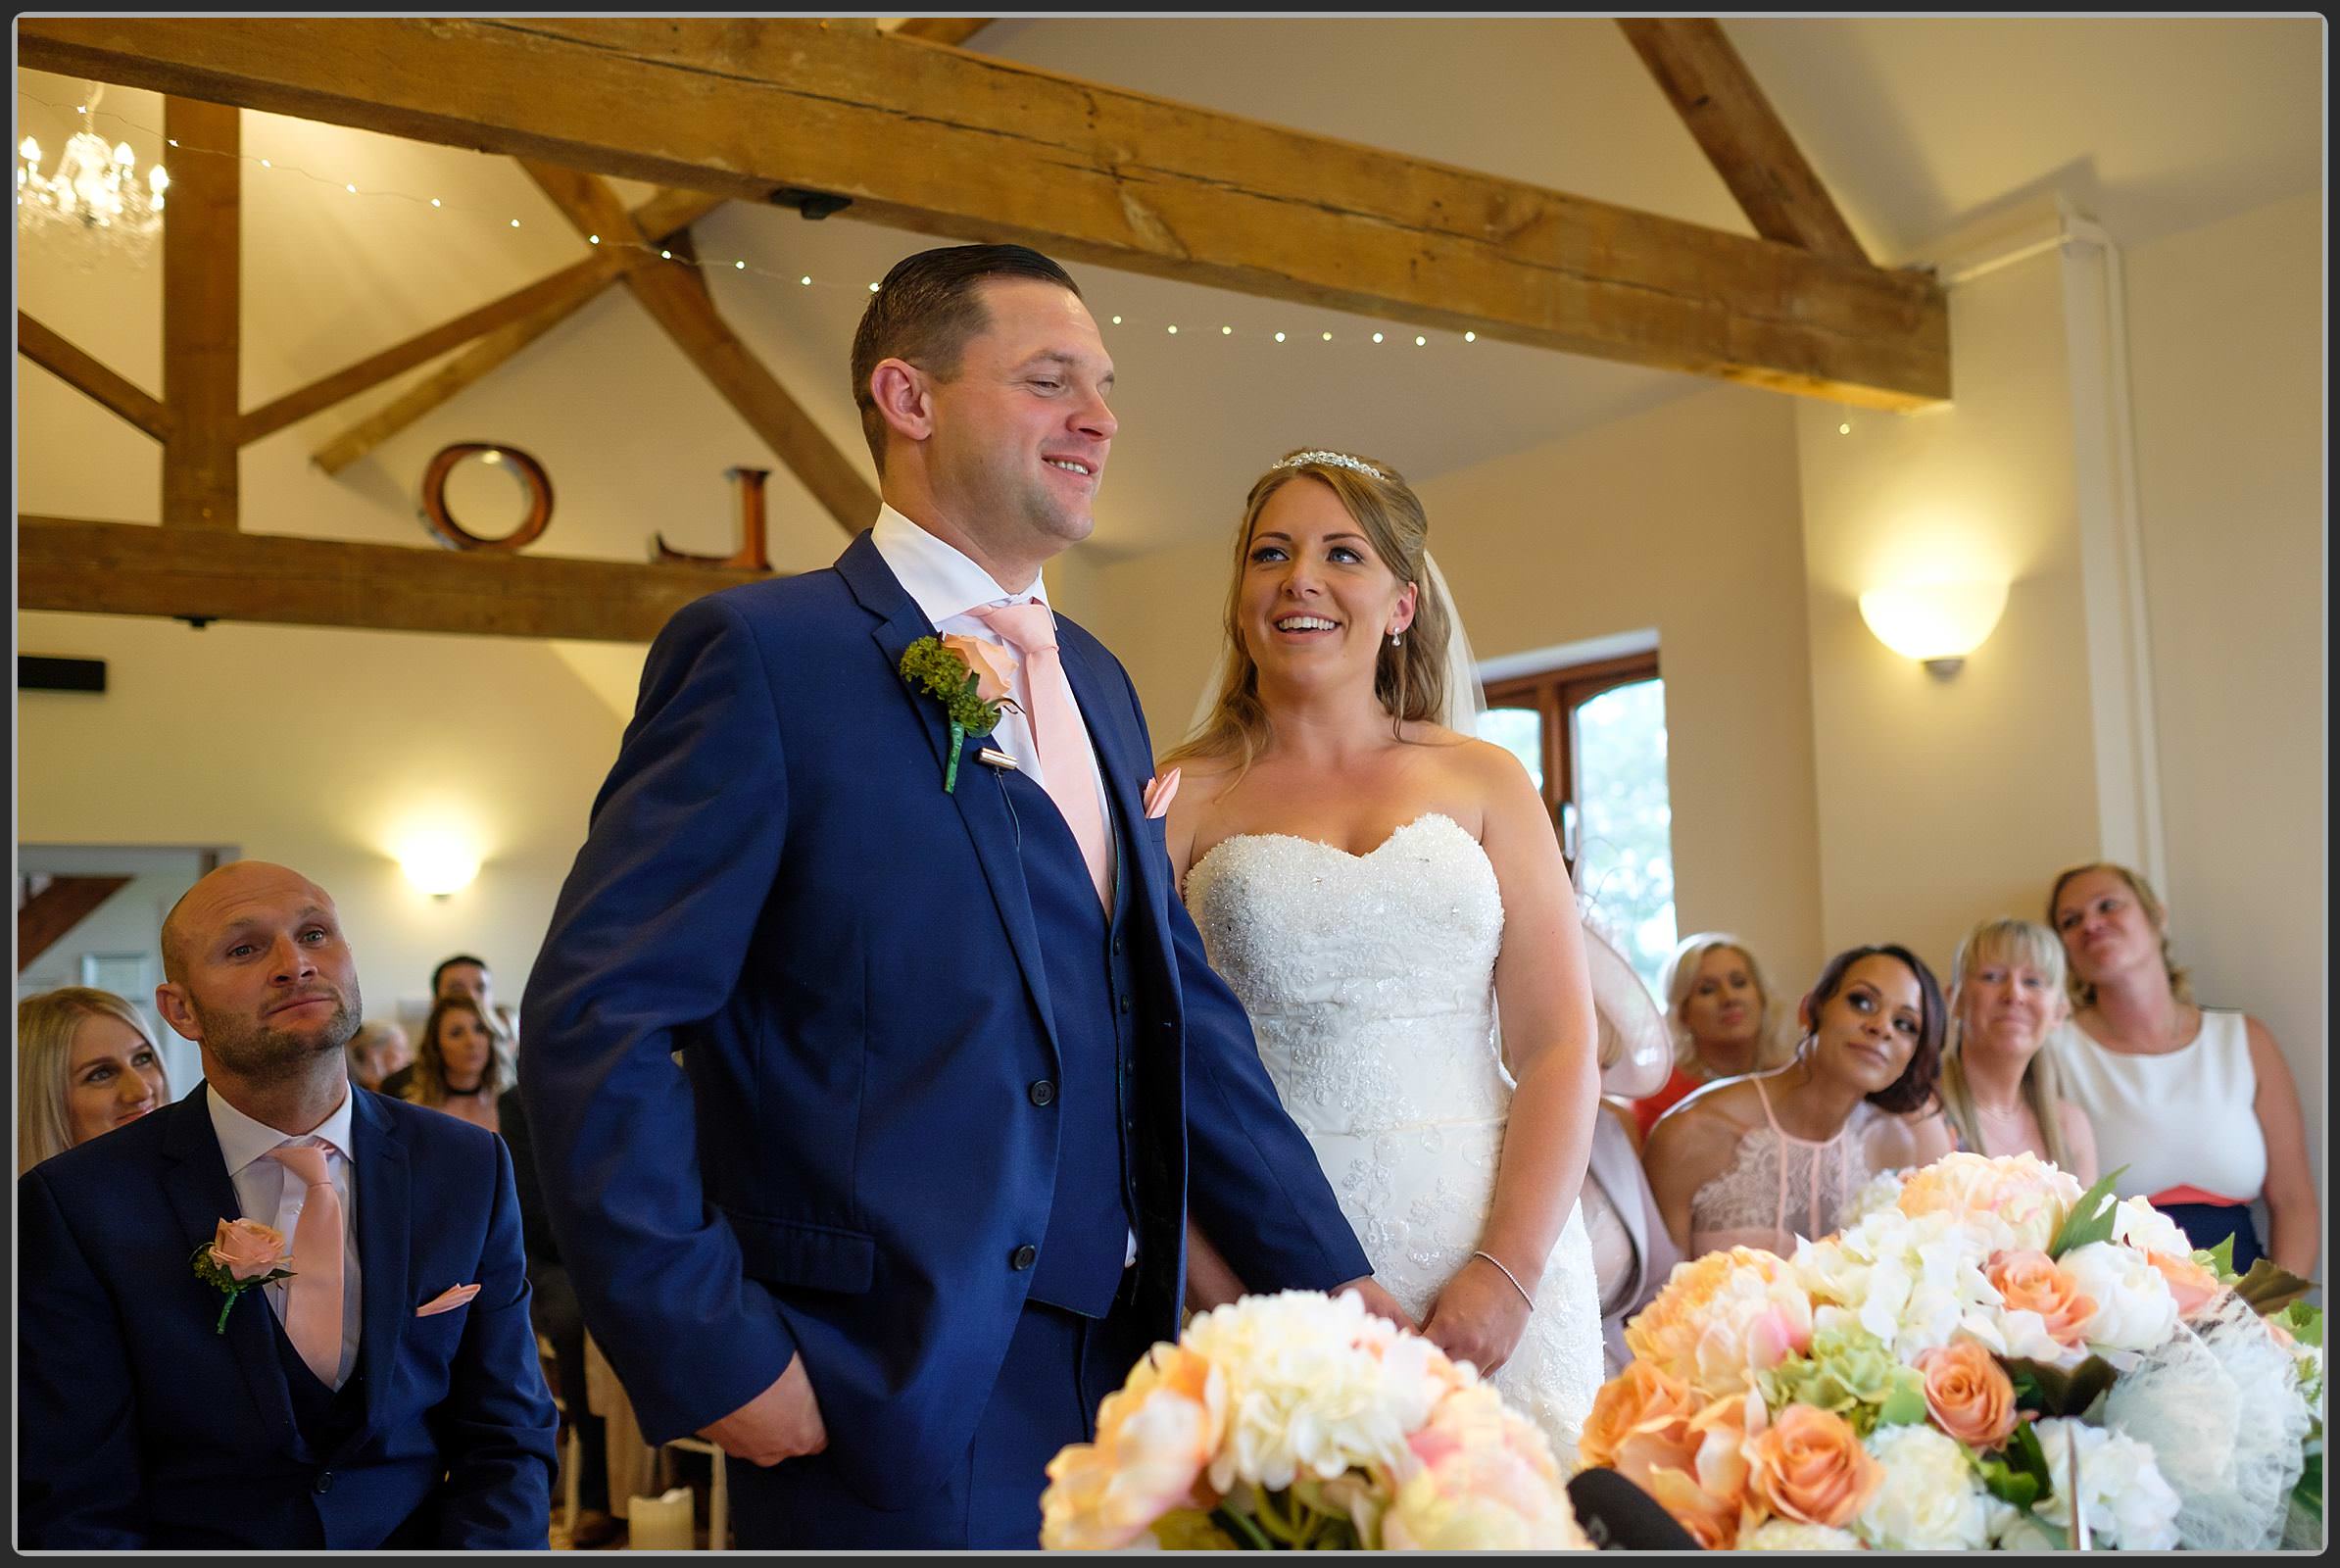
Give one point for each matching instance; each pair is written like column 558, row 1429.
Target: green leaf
column 2026, row 1456
column 2054, row 1391
column 2308, row 1493
column 2304, row 1323
column 2090, row 1219
column 1239, row 1525
column 2269, row 1287
column 2218, row 1259
column 2008, row 1485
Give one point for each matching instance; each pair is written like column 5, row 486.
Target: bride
column 1373, row 885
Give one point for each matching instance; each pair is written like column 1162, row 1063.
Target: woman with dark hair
column 460, row 1065
column 2194, row 1106
column 1758, row 1160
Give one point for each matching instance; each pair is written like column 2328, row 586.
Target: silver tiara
column 1336, row 460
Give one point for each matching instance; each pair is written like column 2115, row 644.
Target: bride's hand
column 1479, row 1317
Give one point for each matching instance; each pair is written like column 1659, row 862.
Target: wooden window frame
column 1556, row 695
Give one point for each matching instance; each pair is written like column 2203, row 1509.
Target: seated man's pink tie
column 1056, row 731
column 312, row 1295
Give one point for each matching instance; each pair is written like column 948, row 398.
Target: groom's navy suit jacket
column 140, row 1426
column 853, row 1160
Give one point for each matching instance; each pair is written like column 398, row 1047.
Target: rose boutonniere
column 969, row 677
column 244, row 1254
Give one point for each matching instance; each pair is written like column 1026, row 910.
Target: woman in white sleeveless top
column 2196, row 1101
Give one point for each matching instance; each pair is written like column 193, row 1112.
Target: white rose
column 2122, row 1493
column 2012, row 1530
column 1790, row 1534
column 1881, row 1192
column 1932, row 1499
column 2138, row 1224
column 2134, row 1309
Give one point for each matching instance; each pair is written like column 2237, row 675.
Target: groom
column 952, row 1068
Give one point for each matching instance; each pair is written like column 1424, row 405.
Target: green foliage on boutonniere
column 942, row 674
column 212, row 1272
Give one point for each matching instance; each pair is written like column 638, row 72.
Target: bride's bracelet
column 1507, row 1274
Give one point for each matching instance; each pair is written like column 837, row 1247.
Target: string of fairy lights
column 1187, row 330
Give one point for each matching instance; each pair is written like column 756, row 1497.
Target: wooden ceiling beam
column 663, row 216
column 964, row 146
column 123, row 568
column 202, row 314
column 82, row 372
column 952, row 30
column 677, row 299
column 1710, row 86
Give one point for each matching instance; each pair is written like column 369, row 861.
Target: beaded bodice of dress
column 1369, row 978
column 1370, row 983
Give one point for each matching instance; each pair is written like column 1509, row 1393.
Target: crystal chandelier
column 94, row 200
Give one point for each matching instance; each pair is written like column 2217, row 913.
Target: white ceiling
column 2153, row 125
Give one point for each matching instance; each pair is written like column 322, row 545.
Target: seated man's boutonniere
column 969, row 677
column 244, row 1254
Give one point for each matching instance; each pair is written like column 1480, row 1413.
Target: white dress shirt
column 950, row 588
column 269, row 1193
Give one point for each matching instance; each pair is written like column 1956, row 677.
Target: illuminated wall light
column 1328, row 337
column 1421, row 342
column 516, row 223
column 1469, row 337
column 593, row 239
column 740, row 266
column 665, row 256
column 1279, row 337
column 1226, row 331
column 1116, row 321
column 1937, row 623
column 434, row 201
column 1377, row 337
column 351, row 189
column 1174, row 331
column 807, row 281
column 438, row 864
column 873, row 288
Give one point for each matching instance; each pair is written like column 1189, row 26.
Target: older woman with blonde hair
column 87, row 1064
column 2000, row 1091
column 1722, row 1017
column 2195, row 1106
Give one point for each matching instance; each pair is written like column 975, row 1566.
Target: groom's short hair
column 925, row 310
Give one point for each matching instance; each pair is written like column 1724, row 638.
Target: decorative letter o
column 442, row 523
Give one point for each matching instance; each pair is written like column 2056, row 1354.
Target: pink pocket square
column 1158, row 793
column 447, row 1300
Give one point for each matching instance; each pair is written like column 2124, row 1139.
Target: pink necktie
column 312, row 1295
column 1056, row 731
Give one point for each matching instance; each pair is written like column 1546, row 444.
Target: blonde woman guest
column 378, row 1049
column 1760, row 1161
column 1371, row 883
column 1718, row 1009
column 2196, row 1103
column 459, row 1067
column 87, row 1064
column 2001, row 1092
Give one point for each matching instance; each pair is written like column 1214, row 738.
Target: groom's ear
column 904, row 397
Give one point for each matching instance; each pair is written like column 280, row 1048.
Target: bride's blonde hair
column 1410, row 679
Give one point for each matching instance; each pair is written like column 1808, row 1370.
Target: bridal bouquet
column 1983, row 1357
column 1302, row 1421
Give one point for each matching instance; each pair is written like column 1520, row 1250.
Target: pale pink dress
column 1778, row 1187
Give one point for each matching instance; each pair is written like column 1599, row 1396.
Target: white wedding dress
column 1370, row 982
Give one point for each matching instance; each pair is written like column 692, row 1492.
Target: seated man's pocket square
column 447, row 1300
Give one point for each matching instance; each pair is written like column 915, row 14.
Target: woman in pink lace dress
column 1758, row 1160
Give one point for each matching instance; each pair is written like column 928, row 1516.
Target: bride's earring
column 1396, row 638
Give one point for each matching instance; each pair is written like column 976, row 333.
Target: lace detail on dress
column 1753, row 1202
column 1370, row 982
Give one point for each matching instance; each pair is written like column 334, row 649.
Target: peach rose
column 1640, row 1418
column 1968, row 1393
column 248, row 1249
column 2194, row 1285
column 995, row 674
column 1722, row 1315
column 1809, row 1465
column 1154, row 1437
column 1709, row 1497
column 2031, row 1282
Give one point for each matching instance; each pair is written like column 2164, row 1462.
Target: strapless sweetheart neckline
column 1395, row 834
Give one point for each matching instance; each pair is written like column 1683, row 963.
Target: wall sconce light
column 438, row 864
column 1937, row 623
